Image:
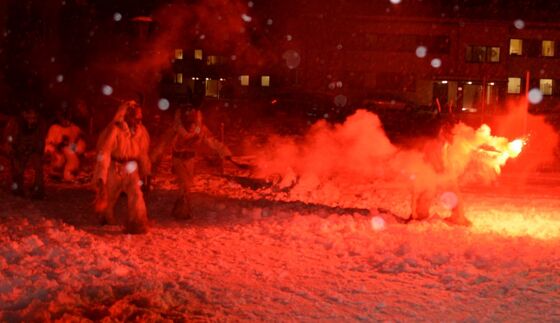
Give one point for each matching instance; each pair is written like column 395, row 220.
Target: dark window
column 476, row 54
column 439, row 44
column 481, row 54
column 533, row 48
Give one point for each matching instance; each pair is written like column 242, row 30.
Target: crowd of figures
column 123, row 162
column 124, row 155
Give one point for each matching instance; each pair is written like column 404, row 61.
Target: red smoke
column 352, row 150
column 215, row 26
column 358, row 151
column 542, row 137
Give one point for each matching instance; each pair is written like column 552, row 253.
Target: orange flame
column 477, row 154
column 498, row 149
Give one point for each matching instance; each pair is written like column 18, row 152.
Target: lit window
column 545, row 86
column 265, row 80
column 514, row 85
column 179, row 78
column 198, row 54
column 548, row 48
column 493, row 54
column 212, row 88
column 244, row 80
column 212, row 60
column 178, row 53
column 516, row 47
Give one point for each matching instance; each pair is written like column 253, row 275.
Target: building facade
column 459, row 64
column 467, row 65
column 197, row 74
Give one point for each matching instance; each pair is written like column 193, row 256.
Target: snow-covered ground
column 272, row 256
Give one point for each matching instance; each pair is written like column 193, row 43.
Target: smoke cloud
column 358, row 152
column 218, row 27
column 542, row 147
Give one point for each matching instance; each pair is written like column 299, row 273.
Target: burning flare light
column 492, row 151
column 506, row 150
column 515, row 147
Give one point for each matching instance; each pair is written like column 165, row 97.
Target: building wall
column 3, row 85
column 363, row 56
column 370, row 55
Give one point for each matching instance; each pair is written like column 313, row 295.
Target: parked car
column 400, row 117
column 380, row 103
column 306, row 106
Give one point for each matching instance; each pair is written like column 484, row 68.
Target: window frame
column 508, row 88
column 242, row 78
column 551, row 87
column 522, row 47
column 179, row 54
column 179, row 78
column 553, row 48
column 489, row 54
column 485, row 55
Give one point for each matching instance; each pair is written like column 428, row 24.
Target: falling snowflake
column 436, row 63
column 449, row 200
column 14, row 186
column 250, row 4
column 340, row 100
column 60, row 78
column 163, row 104
column 395, row 1
column 246, row 17
column 421, row 51
column 535, row 96
column 131, row 167
column 269, row 22
column 100, row 157
column 519, row 24
column 288, row 37
column 117, row 16
column 377, row 223
column 107, row 89
column 292, row 58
